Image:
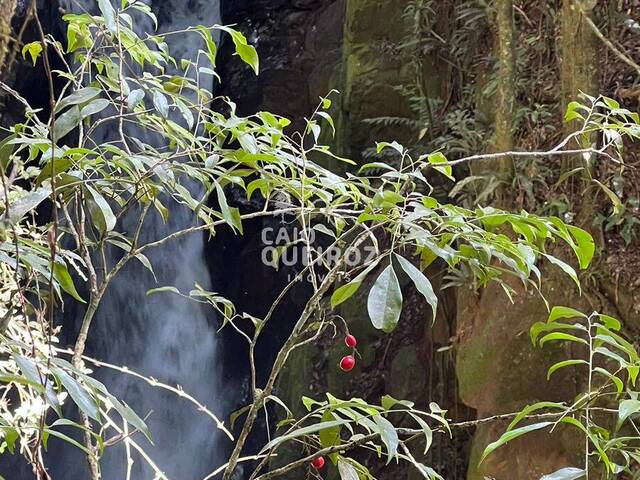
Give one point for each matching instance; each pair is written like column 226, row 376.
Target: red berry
column 318, row 463
column 347, row 363
column 350, row 341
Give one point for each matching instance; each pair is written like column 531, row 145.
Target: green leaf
column 346, row 470
column 529, row 409
column 68, row 439
column 85, row 402
column 618, row 207
column 103, row 217
column 540, row 327
column 109, row 14
column 163, row 289
column 610, row 322
column 30, row 371
column 380, row 146
column 384, row 303
column 426, row 429
column 388, row 402
column 212, row 48
column 34, row 49
column 10, row 437
column 566, row 268
column 300, row 432
column 66, row 122
column 230, row 215
column 245, row 51
column 344, row 292
column 82, row 95
column 235, row 415
column 134, row 98
column 421, row 282
column 160, row 102
column 438, row 158
column 388, row 435
column 626, row 408
column 6, row 151
column 147, row 264
column 330, row 436
column 564, row 312
column 565, row 363
column 61, row 274
column 585, row 248
column 96, row 106
column 24, row 204
column 131, row 417
column 567, row 473
column 614, row 378
column 511, row 435
column 561, row 336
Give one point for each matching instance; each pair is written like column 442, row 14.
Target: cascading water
column 162, row 336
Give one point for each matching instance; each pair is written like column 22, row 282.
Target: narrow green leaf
column 585, row 246
column 163, row 289
column 68, row 439
column 109, row 14
column 346, row 291
column 134, row 98
column 565, row 363
column 560, row 336
column 388, row 435
column 30, row 370
column 438, row 158
column 567, row 473
column 618, row 206
column 26, row 203
column 346, row 470
column 300, row 432
column 529, row 409
column 82, row 95
column 614, row 378
column 66, row 122
column 233, row 219
column 103, row 217
column 564, row 312
column 566, row 268
column 626, row 408
column 421, row 282
column 95, row 106
column 131, row 417
column 85, row 402
column 161, row 104
column 511, row 435
column 62, row 276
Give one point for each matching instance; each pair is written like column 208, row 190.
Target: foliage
column 604, row 413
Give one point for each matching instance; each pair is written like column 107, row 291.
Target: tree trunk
column 578, row 60
column 506, row 92
column 7, row 9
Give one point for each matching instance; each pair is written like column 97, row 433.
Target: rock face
column 499, row 371
column 374, row 68
column 299, row 43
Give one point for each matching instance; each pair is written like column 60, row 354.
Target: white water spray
column 162, row 336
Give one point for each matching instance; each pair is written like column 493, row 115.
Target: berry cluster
column 349, row 361
column 347, row 364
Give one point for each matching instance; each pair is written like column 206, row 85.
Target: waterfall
column 163, row 336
